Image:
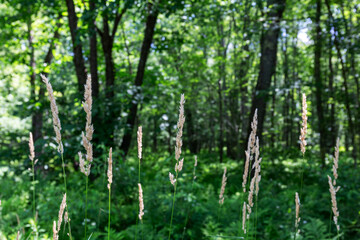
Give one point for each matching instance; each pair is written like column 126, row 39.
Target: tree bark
column 144, row 53
column 319, row 84
column 78, row 58
column 93, row 51
column 269, row 42
column 332, row 119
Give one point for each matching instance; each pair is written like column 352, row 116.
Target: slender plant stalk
column 86, row 201
column 64, row 173
column 137, row 219
column 33, row 183
column 330, row 220
column 109, row 212
column 173, row 205
column 302, row 174
column 139, row 143
column 218, row 215
column 179, row 163
column 256, row 215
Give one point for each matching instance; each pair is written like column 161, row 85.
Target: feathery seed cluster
column 31, row 147
column 178, row 145
column 141, row 202
column 222, row 190
column 55, row 114
column 60, row 219
column 303, row 130
column 332, row 185
column 250, row 149
column 89, row 130
column 139, row 141
column 109, row 171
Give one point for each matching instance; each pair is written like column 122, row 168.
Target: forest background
column 228, row 57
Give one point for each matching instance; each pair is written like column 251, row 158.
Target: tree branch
column 117, row 21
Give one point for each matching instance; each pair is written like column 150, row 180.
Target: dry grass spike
column 55, row 114
column 141, row 202
column 109, row 171
column 222, row 190
column 297, row 210
column 250, row 149
column 303, row 130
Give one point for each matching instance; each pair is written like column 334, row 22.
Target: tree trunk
column 319, row 84
column 107, row 44
column 78, row 58
column 93, row 51
column 144, row 53
column 332, row 119
column 269, row 42
column 286, row 109
column 221, row 140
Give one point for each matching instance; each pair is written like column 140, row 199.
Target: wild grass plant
column 245, row 227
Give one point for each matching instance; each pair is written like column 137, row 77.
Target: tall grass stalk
column 110, row 176
column 297, row 214
column 33, row 162
column 173, row 205
column 249, row 154
column 57, row 130
column 222, row 191
column 109, row 220
column 333, row 189
column 139, row 142
column 303, row 143
column 86, row 202
column 179, row 163
column 67, row 210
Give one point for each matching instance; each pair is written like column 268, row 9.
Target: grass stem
column 86, row 202
column 64, row 174
column 109, row 212
column 173, row 205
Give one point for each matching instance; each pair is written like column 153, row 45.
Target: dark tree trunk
column 107, row 41
column 269, row 42
column 319, row 84
column 286, row 109
column 221, row 136
column 107, row 44
column 93, row 51
column 78, row 59
column 144, row 53
column 294, row 126
column 332, row 119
